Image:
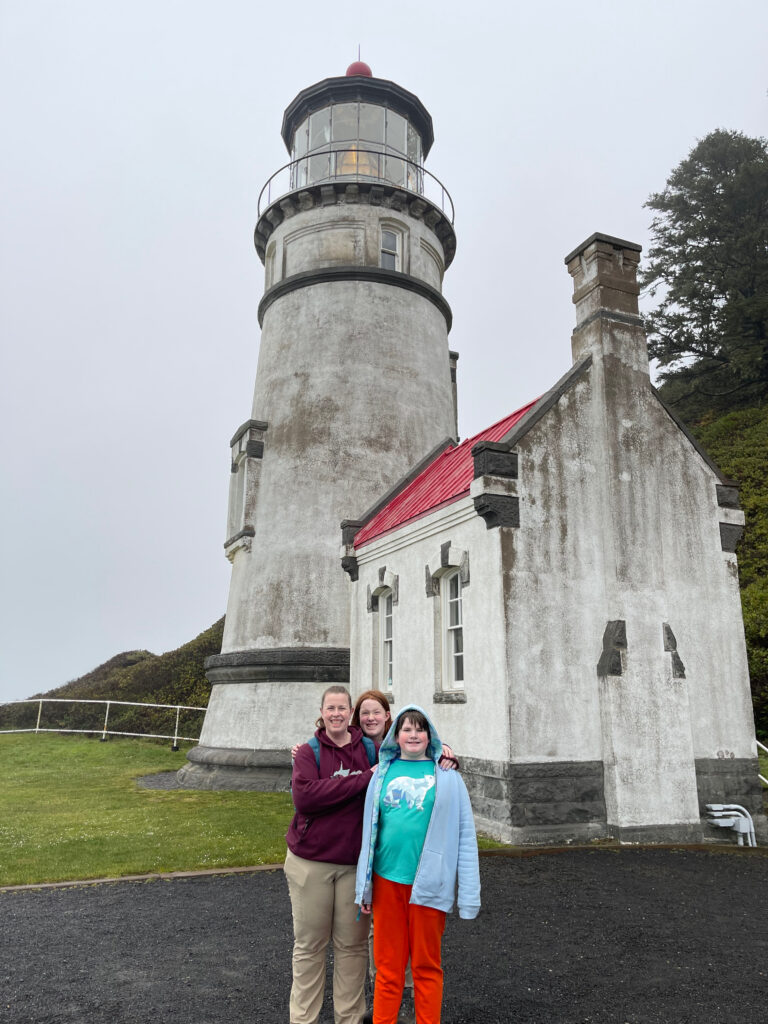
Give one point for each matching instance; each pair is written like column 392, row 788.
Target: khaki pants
column 324, row 910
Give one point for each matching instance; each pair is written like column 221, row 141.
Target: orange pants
column 404, row 929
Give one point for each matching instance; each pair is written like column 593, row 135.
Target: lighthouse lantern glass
column 344, row 122
column 371, row 124
column 395, row 132
column 356, row 140
column 319, row 129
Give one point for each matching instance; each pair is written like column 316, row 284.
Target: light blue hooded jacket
column 449, row 855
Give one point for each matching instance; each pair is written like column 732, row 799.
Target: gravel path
column 635, row 936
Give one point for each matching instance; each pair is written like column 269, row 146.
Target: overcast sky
column 135, row 141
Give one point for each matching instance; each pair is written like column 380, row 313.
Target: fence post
column 104, row 731
column 39, row 713
column 175, row 744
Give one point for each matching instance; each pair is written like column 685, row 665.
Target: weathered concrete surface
column 605, row 628
column 583, row 937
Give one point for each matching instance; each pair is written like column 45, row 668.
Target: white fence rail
column 102, row 726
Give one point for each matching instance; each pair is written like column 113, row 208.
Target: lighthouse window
column 395, row 170
column 371, row 125
column 453, row 632
column 395, row 131
column 414, row 145
column 320, row 129
column 390, row 255
column 344, row 124
column 385, row 640
column 301, row 140
column 320, row 167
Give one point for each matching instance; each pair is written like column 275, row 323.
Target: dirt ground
column 630, row 936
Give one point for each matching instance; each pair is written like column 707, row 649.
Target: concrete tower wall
column 367, row 397
column 353, row 380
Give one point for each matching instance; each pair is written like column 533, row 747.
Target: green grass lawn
column 70, row 809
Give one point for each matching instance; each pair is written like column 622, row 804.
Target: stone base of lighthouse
column 261, row 705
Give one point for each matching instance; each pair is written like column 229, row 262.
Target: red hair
column 376, row 695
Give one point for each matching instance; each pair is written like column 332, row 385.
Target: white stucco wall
column 477, row 728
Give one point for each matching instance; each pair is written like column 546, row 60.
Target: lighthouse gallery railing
column 356, row 165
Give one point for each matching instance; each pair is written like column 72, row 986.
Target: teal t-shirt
column 405, row 807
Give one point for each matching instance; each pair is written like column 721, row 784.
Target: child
column 418, row 842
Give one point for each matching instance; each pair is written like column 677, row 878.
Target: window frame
column 395, row 252
column 386, row 640
column 452, row 634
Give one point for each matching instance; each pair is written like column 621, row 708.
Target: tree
column 708, row 261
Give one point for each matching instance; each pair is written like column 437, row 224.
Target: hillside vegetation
column 738, row 442
column 176, row 677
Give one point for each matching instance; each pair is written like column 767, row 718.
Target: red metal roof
column 444, row 481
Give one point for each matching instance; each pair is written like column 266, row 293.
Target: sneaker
column 407, row 1014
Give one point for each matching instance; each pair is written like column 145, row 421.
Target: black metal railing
column 356, row 165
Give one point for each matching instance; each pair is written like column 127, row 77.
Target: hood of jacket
column 390, row 751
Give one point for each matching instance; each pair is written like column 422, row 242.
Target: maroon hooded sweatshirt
column 328, row 823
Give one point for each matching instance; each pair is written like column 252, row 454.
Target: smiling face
column 412, row 737
column 374, row 719
column 336, row 712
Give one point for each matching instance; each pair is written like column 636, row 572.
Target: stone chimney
column 605, row 290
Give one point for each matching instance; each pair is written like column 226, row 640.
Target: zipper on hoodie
column 426, row 837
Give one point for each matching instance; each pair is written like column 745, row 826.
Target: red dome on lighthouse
column 359, row 67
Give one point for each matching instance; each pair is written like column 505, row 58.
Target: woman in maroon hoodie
column 323, row 847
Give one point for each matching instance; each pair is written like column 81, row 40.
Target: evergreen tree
column 708, row 262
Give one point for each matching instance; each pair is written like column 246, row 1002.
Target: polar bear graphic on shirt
column 412, row 791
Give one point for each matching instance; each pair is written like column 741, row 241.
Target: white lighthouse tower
column 353, row 390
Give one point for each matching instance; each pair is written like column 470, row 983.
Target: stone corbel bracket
column 494, row 488
column 349, row 528
column 241, row 541
column 731, row 516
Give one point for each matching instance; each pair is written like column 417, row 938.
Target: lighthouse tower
column 353, row 390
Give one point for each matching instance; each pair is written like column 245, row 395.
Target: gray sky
column 136, row 138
